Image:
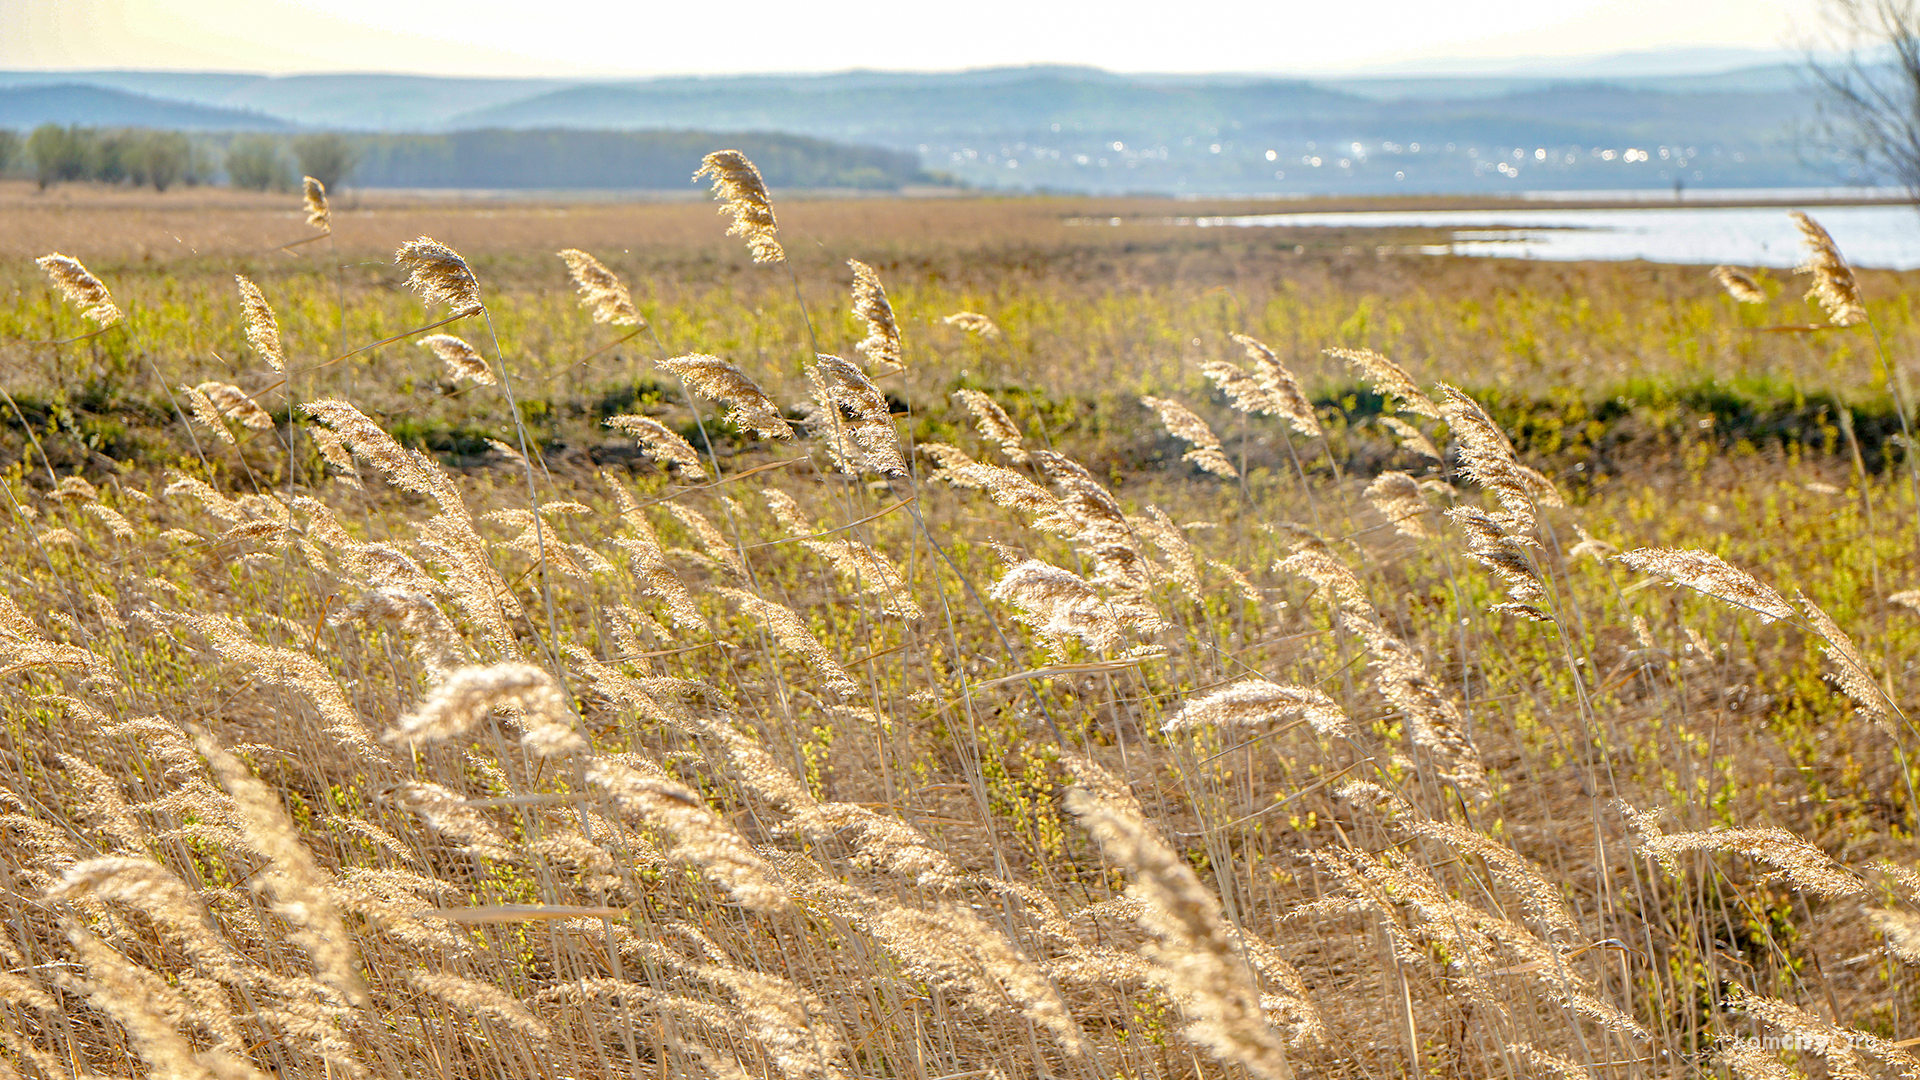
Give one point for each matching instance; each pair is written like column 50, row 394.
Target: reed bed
column 800, row 744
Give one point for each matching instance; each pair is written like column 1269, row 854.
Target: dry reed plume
column 601, row 290
column 1833, row 285
column 660, row 442
column 882, row 343
column 1202, row 964
column 855, row 418
column 744, row 196
column 1257, row 701
column 1182, row 424
column 440, row 275
column 1271, row 389
column 994, row 423
column 263, row 331
column 81, row 288
column 1390, row 379
column 717, row 380
column 462, row 360
column 313, row 195
column 974, row 323
column 1740, row 285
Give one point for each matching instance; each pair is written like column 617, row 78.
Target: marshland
column 922, row 638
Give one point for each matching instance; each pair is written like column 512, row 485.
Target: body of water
column 1886, row 236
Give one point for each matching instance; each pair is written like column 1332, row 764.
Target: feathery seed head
column 1257, row 701
column 717, row 380
column 1390, row 379
column 468, row 695
column 1851, row 675
column 1411, row 437
column 738, row 183
column 1902, row 931
column 1833, row 283
column 215, row 402
column 701, row 836
column 81, row 287
column 1195, row 953
column 1710, row 574
column 314, row 195
column 440, row 275
column 855, row 418
column 1740, row 285
column 660, row 442
column 870, row 303
column 994, row 423
column 263, row 331
column 461, row 359
column 974, row 323
column 1487, row 457
column 1061, row 604
column 1279, row 392
column 601, row 290
column 1799, row 862
column 1181, row 423
column 1399, row 499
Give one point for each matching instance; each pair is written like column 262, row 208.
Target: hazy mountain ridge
column 1084, row 129
column 99, row 106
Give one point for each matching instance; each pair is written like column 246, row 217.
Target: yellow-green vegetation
column 385, row 713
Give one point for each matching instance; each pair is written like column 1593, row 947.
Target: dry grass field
column 738, row 669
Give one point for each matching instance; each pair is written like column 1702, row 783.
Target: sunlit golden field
column 967, row 717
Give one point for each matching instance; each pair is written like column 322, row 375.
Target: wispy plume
column 1182, row 424
column 1411, row 437
column 994, row 423
column 974, row 323
column 300, row 889
column 1740, row 285
column 470, row 695
column 1061, row 604
column 701, row 836
column 1833, row 283
column 855, row 418
column 263, row 330
column 440, row 275
column 1257, row 701
column 462, row 360
column 790, row 630
column 1399, row 499
column 744, row 195
column 213, row 403
column 1708, row 573
column 81, row 288
column 717, row 380
column 1800, row 863
column 601, row 290
column 1195, row 952
column 660, row 442
column 313, row 195
column 882, row 343
column 1274, row 390
column 1390, row 379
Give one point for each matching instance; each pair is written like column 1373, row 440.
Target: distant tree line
column 52, row 154
column 494, row 158
column 497, row 158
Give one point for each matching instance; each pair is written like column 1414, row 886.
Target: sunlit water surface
column 1886, row 236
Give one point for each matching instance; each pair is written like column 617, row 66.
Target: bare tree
column 1870, row 109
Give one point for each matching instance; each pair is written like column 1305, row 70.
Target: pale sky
column 628, row 38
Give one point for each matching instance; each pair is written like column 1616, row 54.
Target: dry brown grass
column 847, row 754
